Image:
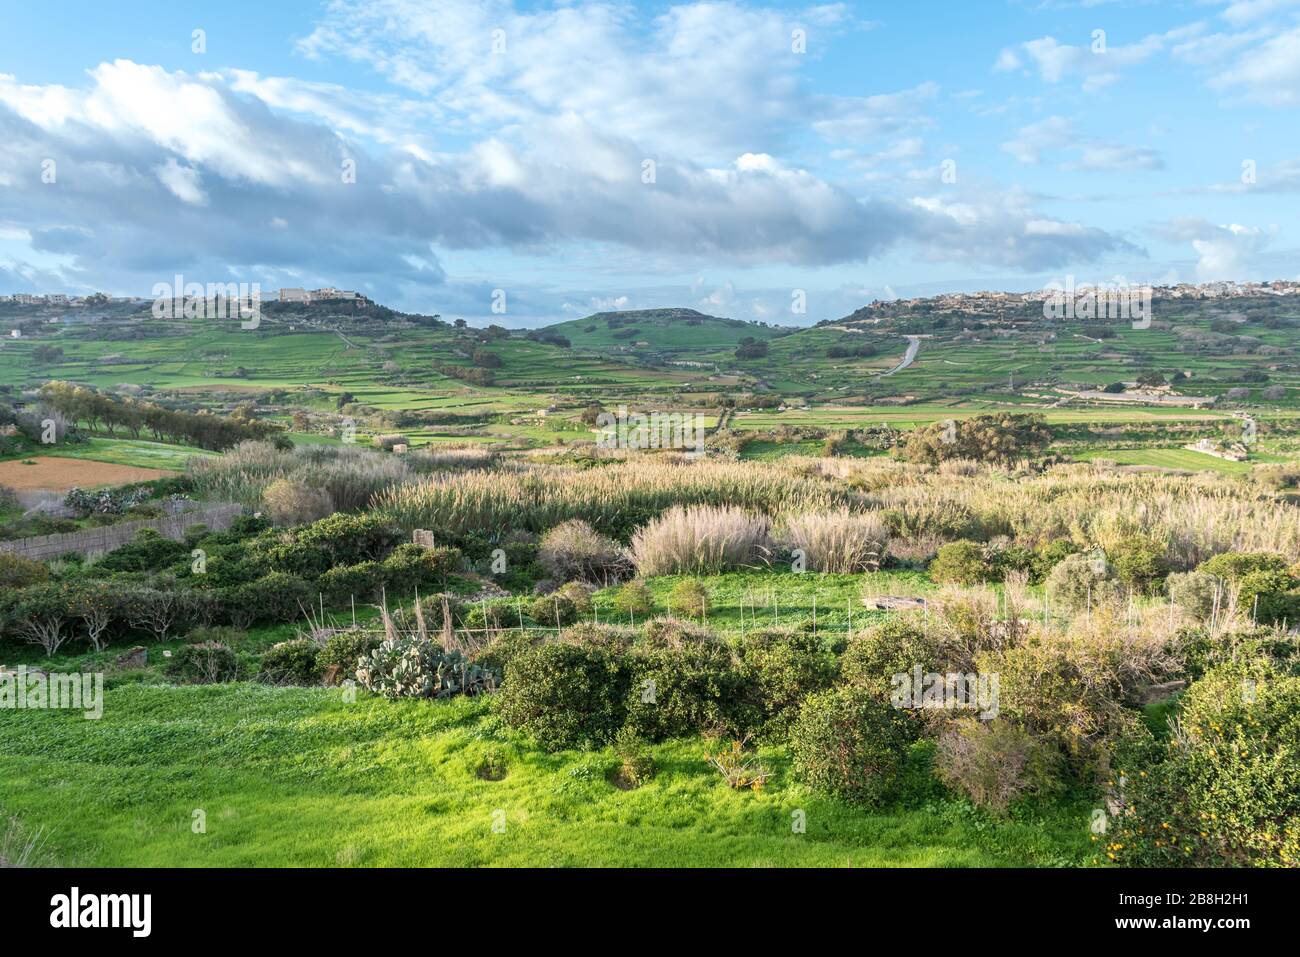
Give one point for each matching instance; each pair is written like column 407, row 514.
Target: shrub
column 675, row 634
column 1048, row 556
column 1198, row 593
column 961, row 563
column 690, row 599
column 564, row 695
column 554, row 610
column 350, row 539
column 40, row 615
column 206, row 662
column 1234, row 566
column 1225, row 790
column 344, row 651
column 148, row 551
column 739, row 767
column 504, row 649
column 611, row 638
column 575, row 550
column 634, row 599
column 408, row 666
column 636, row 766
column 1071, row 688
column 839, row 542
column 411, row 567
column 295, row 503
column 1269, row 597
column 894, row 647
column 686, row 691
column 292, row 662
column 850, row 743
column 783, row 667
column 274, row 597
column 994, row 763
column 1081, row 581
column 362, row 582
column 700, row 539
column 17, row 571
column 1140, row 562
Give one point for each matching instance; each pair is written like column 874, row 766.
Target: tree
column 1004, row 437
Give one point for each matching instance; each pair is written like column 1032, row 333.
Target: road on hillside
column 913, row 346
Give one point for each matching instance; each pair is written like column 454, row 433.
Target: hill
column 648, row 333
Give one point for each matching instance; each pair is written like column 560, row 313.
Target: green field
column 300, row 777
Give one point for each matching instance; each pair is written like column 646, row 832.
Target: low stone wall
column 97, row 541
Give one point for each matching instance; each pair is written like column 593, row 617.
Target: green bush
column 893, row 647
column 674, row 634
column 275, row 597
column 635, row 600
column 1198, row 593
column 636, row 766
column 292, row 662
column 784, row 666
column 850, row 743
column 504, row 648
column 687, row 691
column 1140, row 562
column 555, row 610
column 1225, row 792
column 564, row 695
column 362, row 582
column 961, row 563
column 345, row 650
column 411, row 567
column 689, row 599
column 207, row 662
column 589, row 634
column 1269, row 597
column 1234, row 566
column 1081, row 581
column 148, row 551
column 17, row 571
column 1048, row 556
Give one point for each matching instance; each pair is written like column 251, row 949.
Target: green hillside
column 681, row 333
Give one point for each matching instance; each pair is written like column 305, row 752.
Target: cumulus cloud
column 585, row 126
column 1227, row 251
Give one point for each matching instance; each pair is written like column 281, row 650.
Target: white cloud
column 1268, row 73
column 183, row 181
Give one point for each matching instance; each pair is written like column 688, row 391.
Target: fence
column 97, row 541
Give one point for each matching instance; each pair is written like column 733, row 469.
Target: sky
column 526, row 163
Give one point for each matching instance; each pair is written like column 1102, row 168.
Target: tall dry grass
column 838, row 542
column 614, row 498
column 700, row 540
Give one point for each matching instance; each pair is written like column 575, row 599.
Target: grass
column 1182, row 459
column 301, row 777
column 743, row 601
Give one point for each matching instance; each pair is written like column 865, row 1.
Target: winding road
column 913, row 347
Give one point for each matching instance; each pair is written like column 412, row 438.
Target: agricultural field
column 457, row 624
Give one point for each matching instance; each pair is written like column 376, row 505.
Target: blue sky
column 587, row 156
